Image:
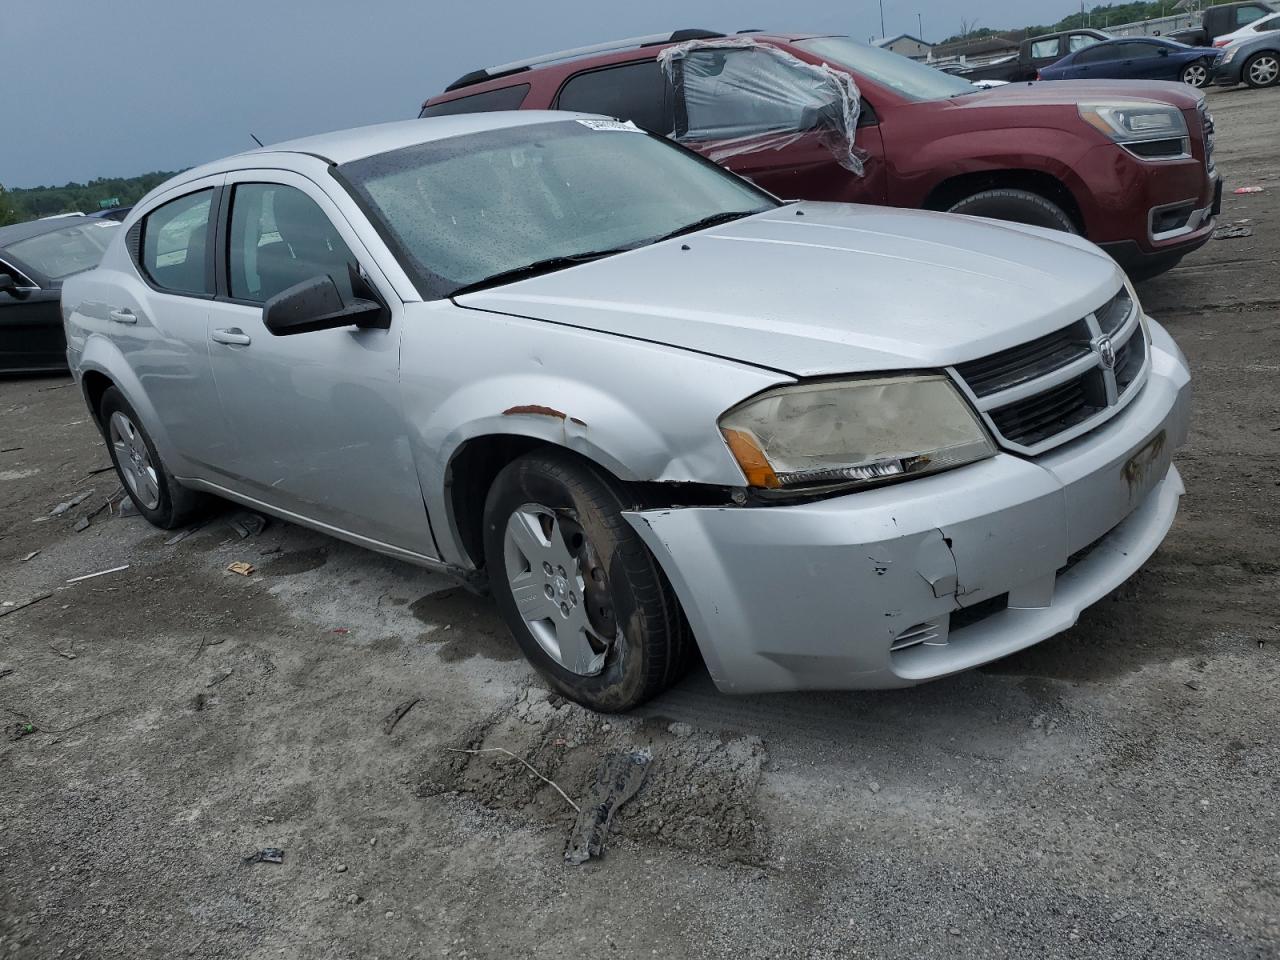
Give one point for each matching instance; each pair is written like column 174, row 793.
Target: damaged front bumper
column 905, row 583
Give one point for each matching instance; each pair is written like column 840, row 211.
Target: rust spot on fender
column 534, row 409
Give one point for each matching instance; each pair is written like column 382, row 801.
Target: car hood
column 818, row 288
column 1068, row 93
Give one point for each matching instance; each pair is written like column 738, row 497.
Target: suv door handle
column 233, row 336
column 122, row 316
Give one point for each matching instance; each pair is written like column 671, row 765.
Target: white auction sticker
column 627, row 127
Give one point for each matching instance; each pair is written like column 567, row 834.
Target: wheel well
column 950, row 192
column 94, row 385
column 470, row 475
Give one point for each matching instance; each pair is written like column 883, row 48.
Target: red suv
column 1128, row 164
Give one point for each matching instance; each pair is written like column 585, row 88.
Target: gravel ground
column 1109, row 793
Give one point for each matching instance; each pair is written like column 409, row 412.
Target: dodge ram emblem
column 1106, row 352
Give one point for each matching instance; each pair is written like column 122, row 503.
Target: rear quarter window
column 504, row 98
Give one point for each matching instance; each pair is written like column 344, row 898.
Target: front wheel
column 1018, row 206
column 584, row 598
column 1195, row 74
column 1262, row 69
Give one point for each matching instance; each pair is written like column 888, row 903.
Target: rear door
column 769, row 118
column 317, row 417
column 31, row 336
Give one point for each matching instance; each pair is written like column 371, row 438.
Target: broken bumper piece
column 905, row 583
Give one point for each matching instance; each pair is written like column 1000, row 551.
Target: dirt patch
column 295, row 561
column 466, row 626
column 699, row 794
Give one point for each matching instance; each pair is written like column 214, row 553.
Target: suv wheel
column 1018, row 206
column 1262, row 69
column 153, row 489
column 1195, row 74
column 581, row 593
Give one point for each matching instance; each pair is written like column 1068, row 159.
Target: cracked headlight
column 1135, row 121
column 854, row 432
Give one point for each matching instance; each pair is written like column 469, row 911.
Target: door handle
column 233, row 336
column 122, row 316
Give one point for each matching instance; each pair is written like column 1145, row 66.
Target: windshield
column 913, row 80
column 461, row 210
column 60, row 254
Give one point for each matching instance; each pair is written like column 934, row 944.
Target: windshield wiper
column 711, row 221
column 537, row 268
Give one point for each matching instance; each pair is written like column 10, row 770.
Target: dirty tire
column 654, row 646
column 1262, row 69
column 177, row 505
column 1017, row 206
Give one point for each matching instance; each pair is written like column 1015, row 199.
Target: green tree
column 8, row 213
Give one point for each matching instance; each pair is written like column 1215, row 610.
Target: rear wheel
column 1195, row 74
column 1018, row 206
column 581, row 593
column 1262, row 69
column 153, row 489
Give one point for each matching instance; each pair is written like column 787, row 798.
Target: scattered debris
column 1191, row 685
column 127, row 508
column 81, row 525
column 270, row 550
column 206, row 642
column 567, row 798
column 619, row 777
column 342, row 631
column 100, row 573
column 16, row 731
column 62, row 653
column 58, row 386
column 247, row 524
column 266, row 855
column 31, row 556
column 1232, row 233
column 179, row 537
column 96, row 470
column 397, row 714
column 13, row 606
column 71, row 504
column 340, row 868
column 218, row 677
column 1241, row 190
column 241, row 567
column 10, row 449
column 5, row 671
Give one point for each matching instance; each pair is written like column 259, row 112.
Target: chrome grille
column 1047, row 391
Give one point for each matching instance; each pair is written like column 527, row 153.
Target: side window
column 1272, row 23
column 741, row 93
column 634, row 91
column 1046, row 48
column 175, row 241
column 504, row 98
column 280, row 237
column 1080, row 41
column 1246, row 15
column 1100, row 53
column 1143, row 51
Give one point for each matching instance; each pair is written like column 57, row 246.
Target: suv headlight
column 854, row 432
column 1134, row 121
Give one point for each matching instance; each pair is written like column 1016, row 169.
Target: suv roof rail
column 516, row 66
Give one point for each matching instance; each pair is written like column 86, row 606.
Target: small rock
column 873, row 787
column 373, row 841
column 680, row 729
column 340, row 868
column 391, row 914
column 606, row 727
column 954, row 931
column 354, row 898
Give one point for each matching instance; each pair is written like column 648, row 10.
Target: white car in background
column 1250, row 30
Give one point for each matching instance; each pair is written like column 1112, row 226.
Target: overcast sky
column 117, row 89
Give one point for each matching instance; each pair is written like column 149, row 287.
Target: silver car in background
column 652, row 408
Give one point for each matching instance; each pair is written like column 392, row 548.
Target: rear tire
column 1196, row 74
column 1262, row 69
column 153, row 489
column 595, row 614
column 1017, row 206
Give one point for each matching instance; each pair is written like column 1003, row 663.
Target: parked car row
column 1127, row 165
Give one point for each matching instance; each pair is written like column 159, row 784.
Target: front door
column 776, row 121
column 31, row 336
column 317, row 416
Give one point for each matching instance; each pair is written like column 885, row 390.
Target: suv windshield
column 889, row 69
column 494, row 206
column 60, row 254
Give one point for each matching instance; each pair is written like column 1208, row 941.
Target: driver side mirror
column 10, row 286
column 317, row 304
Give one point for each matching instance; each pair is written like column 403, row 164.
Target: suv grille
column 1049, row 390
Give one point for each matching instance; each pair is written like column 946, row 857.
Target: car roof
column 35, row 228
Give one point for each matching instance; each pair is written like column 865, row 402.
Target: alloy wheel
column 1195, row 75
column 134, row 460
column 559, row 588
column 1264, row 70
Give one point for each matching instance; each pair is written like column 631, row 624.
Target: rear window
column 504, row 98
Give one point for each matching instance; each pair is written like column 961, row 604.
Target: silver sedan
column 654, row 410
